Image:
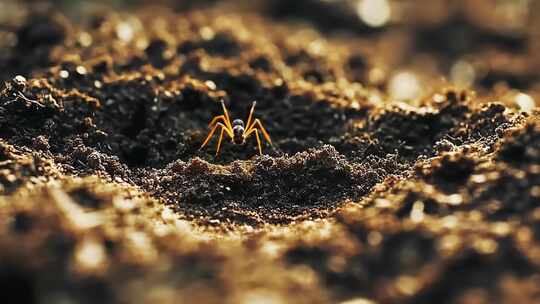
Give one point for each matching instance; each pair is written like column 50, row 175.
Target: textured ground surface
column 385, row 183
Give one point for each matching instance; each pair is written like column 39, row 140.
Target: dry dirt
column 107, row 198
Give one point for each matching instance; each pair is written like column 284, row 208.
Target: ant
column 237, row 131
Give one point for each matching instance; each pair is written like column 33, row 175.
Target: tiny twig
column 30, row 100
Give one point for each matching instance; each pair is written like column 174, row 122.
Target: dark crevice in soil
column 473, row 270
column 523, row 148
column 451, row 172
column 17, row 286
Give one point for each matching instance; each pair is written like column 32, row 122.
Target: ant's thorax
column 238, row 132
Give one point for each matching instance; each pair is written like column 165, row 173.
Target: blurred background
column 405, row 46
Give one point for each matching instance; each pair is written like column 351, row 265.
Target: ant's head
column 238, row 122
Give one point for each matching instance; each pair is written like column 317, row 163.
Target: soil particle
column 522, row 148
column 451, row 171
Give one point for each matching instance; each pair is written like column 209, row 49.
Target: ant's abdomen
column 238, row 140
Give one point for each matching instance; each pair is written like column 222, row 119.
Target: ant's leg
column 216, row 119
column 258, row 141
column 21, row 95
column 228, row 130
column 209, row 136
column 257, row 123
column 219, row 142
column 223, row 127
column 256, row 131
column 226, row 113
column 248, row 123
